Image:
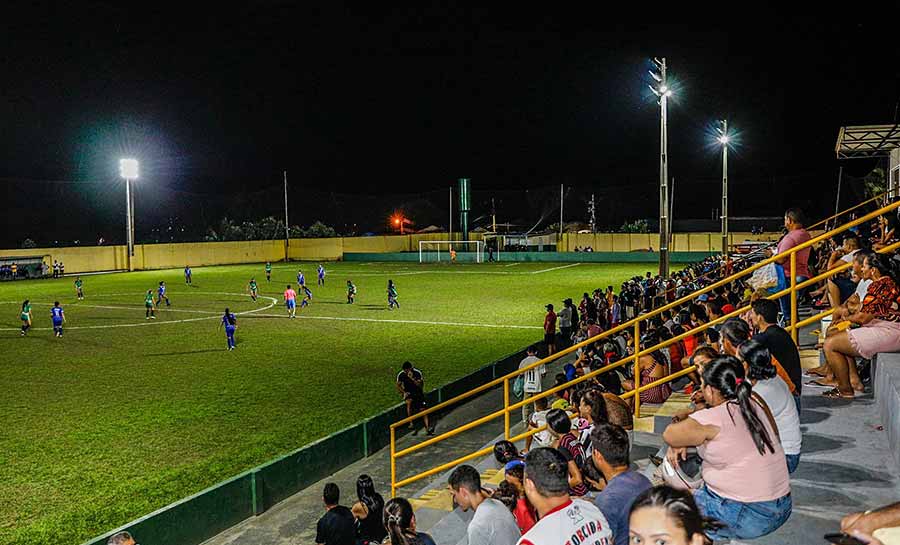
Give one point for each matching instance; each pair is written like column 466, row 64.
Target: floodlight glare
column 128, row 169
column 668, row 93
column 655, row 76
column 663, row 89
column 655, row 92
column 723, row 140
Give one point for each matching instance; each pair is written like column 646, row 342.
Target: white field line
column 155, row 322
column 556, row 268
column 512, row 264
column 390, row 321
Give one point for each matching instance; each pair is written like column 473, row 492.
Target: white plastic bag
column 765, row 277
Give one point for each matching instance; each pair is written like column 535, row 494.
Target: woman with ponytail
column 367, row 510
column 879, row 318
column 746, row 484
column 400, row 523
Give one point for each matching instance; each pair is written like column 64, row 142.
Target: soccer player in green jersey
column 79, row 284
column 392, row 295
column 148, row 303
column 26, row 316
column 253, row 288
column 351, row 292
column 268, row 271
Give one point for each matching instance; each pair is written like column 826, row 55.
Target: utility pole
column 287, row 232
column 493, row 216
column 561, row 197
column 663, row 92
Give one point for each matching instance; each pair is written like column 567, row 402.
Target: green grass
column 110, row 423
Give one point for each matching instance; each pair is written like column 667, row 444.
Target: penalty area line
column 556, row 268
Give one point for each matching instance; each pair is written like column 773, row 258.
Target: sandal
column 819, row 383
column 815, row 373
column 836, row 394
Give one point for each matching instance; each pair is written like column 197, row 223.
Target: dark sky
column 378, row 101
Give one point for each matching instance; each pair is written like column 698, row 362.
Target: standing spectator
column 797, row 235
column 368, row 512
column 550, row 330
column 15, row 270
column 610, row 454
column 764, row 316
column 565, row 324
column 55, row 269
column 563, row 520
column 62, row 269
column 493, row 523
column 121, row 538
column 669, row 513
column 410, row 382
column 337, row 526
column 400, row 522
column 567, row 443
column 531, row 380
column 615, row 312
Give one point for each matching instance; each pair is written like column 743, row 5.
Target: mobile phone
column 841, row 538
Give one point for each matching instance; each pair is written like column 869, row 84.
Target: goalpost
column 468, row 251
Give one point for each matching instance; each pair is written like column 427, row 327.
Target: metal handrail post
column 506, row 408
column 637, row 368
column 793, row 272
column 393, row 462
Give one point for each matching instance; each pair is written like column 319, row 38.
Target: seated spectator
column 666, row 516
column 875, row 523
column 746, row 483
column 400, row 523
column 887, row 231
column 619, row 412
column 368, row 510
column 514, row 497
column 493, row 523
column 841, row 286
column 651, row 367
column 763, row 316
column 538, row 419
column 337, row 526
column 562, row 519
column 592, row 408
column 772, row 389
column 121, row 538
column 567, row 443
column 879, row 319
column 736, row 332
column 505, row 452
column 561, row 398
column 610, row 455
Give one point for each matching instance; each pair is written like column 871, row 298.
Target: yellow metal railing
column 635, row 326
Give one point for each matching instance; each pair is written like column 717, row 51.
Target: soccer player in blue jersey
column 58, row 317
column 230, row 323
column 301, row 280
column 392, row 295
column 254, row 289
column 187, row 274
column 161, row 295
column 306, row 298
column 321, row 273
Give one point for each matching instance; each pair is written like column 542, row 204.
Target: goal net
column 467, row 251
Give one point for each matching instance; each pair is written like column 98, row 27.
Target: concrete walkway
column 846, row 466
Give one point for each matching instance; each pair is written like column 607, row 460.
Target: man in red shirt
column 550, row 330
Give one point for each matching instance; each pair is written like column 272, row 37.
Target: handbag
column 687, row 475
column 518, row 387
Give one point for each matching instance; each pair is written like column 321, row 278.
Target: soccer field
column 123, row 415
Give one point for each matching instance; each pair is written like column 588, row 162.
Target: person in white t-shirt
column 775, row 392
column 539, row 418
column 563, row 520
column 842, row 286
column 531, row 380
column 493, row 523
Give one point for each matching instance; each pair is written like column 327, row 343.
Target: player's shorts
column 550, row 338
column 148, row 305
column 229, row 330
column 25, row 317
column 57, row 323
column 418, row 403
column 291, row 303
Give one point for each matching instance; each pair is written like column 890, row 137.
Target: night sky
column 380, row 102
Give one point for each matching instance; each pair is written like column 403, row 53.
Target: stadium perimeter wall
column 199, row 517
column 550, row 257
column 84, row 259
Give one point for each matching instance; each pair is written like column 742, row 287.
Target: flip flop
column 819, row 384
column 836, row 394
column 813, row 373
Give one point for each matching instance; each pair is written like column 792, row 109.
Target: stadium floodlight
column 663, row 92
column 129, row 169
column 723, row 139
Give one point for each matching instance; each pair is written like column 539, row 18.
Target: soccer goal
column 468, row 251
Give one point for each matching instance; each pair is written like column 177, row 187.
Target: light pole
column 128, row 169
column 723, row 139
column 663, row 92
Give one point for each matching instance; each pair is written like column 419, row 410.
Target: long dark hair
column 726, row 374
column 884, row 265
column 365, row 491
column 680, row 506
column 593, row 398
column 398, row 515
column 758, row 360
column 24, row 304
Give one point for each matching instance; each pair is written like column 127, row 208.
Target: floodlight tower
column 128, row 169
column 723, row 139
column 663, row 92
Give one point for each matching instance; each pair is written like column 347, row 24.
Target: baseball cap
column 703, row 298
